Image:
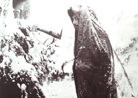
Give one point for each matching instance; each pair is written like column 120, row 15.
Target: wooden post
column 21, row 13
column 0, row 10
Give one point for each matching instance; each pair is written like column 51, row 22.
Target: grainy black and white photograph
column 68, row 49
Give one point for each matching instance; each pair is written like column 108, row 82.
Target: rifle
column 53, row 34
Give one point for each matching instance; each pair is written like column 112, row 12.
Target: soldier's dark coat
column 93, row 65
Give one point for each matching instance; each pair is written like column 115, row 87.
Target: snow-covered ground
column 119, row 18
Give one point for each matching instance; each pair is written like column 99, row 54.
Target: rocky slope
column 25, row 62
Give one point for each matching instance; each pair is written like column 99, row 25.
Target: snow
column 62, row 89
column 119, row 18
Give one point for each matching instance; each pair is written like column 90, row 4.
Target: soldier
column 0, row 10
column 93, row 65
